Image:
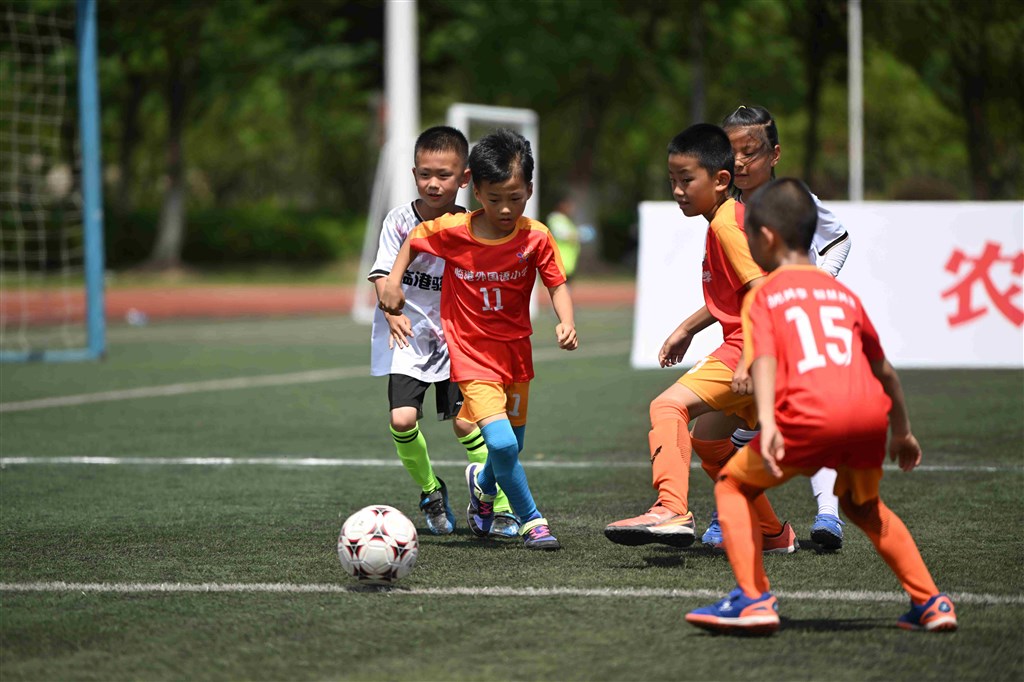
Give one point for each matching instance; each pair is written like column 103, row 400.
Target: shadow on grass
column 835, row 624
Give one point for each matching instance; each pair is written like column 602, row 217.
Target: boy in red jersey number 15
column 492, row 257
column 810, row 344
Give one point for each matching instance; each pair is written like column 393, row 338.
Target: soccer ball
column 378, row 545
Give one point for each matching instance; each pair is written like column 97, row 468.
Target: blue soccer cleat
column 827, row 531
column 537, row 535
column 713, row 535
column 935, row 615
column 738, row 614
column 480, row 512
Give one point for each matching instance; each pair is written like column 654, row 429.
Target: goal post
column 474, row 120
column 51, row 203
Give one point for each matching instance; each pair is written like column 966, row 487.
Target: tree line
column 265, row 106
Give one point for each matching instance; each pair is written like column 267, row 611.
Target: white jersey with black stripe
column 831, row 241
column 426, row 357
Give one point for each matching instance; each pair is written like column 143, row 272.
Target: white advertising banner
column 942, row 281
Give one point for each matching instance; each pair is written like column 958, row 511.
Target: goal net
column 475, row 121
column 51, row 256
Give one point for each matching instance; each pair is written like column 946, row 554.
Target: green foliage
column 252, row 233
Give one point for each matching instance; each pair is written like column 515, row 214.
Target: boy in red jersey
column 826, row 396
column 492, row 257
column 700, row 162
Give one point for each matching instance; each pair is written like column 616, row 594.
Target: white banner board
column 942, row 281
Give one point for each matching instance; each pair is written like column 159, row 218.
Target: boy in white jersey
column 410, row 348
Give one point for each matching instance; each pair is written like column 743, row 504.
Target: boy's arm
column 902, row 444
column 677, row 343
column 565, row 331
column 392, row 298
column 763, row 370
column 400, row 325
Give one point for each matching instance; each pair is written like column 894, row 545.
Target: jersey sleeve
column 758, row 332
column 734, row 244
column 869, row 338
column 831, row 242
column 549, row 262
column 428, row 237
column 392, row 235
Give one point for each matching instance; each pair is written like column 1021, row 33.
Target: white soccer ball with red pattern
column 378, row 545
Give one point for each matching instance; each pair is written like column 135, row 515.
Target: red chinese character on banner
column 980, row 270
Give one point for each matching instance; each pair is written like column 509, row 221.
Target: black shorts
column 406, row 391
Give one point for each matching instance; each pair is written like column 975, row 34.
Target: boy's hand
column 742, row 383
column 566, row 335
column 401, row 330
column 906, row 450
column 773, row 449
column 392, row 299
column 674, row 348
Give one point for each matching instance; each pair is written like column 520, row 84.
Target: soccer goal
column 475, row 121
column 51, row 212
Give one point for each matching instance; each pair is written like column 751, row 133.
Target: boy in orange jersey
column 826, row 396
column 700, row 163
column 492, row 257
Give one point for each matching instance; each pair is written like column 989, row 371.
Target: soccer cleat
column 480, row 512
column 659, row 524
column 783, row 543
column 440, row 518
column 935, row 615
column 504, row 525
column 713, row 535
column 827, row 531
column 738, row 614
column 537, row 535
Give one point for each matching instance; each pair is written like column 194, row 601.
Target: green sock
column 476, row 452
column 412, row 450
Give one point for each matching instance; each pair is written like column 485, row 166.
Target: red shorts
column 854, row 438
column 504, row 362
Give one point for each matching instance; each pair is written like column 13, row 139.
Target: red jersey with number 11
column 485, row 292
column 826, row 397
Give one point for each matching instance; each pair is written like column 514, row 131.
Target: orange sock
column 894, row 543
column 742, row 535
column 713, row 456
column 670, row 453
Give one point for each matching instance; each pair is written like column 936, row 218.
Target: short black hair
column 786, row 206
column 500, row 155
column 443, row 139
column 708, row 144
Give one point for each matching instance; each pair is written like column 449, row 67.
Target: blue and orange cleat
column 738, row 614
column 713, row 535
column 480, row 512
column 935, row 615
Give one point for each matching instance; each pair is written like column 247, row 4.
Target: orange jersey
column 728, row 268
column 827, row 400
column 487, row 283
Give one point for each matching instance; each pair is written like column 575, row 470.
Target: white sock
column 823, row 484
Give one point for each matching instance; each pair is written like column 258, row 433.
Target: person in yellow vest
column 566, row 233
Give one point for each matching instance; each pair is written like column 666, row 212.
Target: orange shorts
column 482, row 399
column 747, row 466
column 711, row 380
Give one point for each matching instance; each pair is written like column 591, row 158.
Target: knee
column 866, row 515
column 403, row 423
column 663, row 408
column 502, row 444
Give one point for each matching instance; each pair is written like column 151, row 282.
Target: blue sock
column 504, row 468
column 520, row 432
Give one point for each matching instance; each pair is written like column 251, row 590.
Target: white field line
column 640, row 462
column 328, row 588
column 310, row 377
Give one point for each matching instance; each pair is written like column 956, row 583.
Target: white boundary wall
column 903, row 265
